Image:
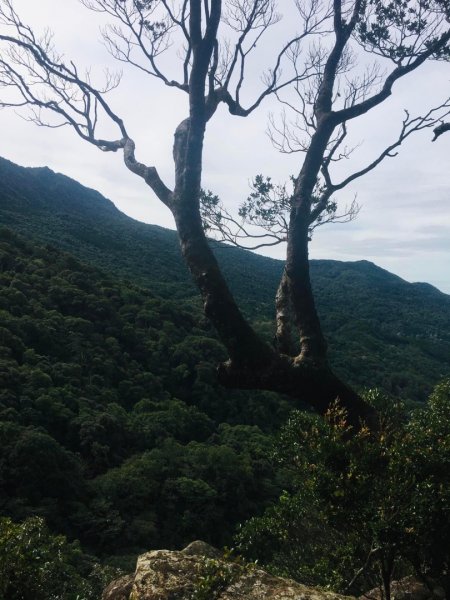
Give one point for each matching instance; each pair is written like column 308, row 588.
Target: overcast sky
column 404, row 222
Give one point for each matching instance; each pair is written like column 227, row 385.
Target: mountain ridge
column 112, row 209
column 380, row 328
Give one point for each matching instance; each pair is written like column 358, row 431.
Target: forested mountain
column 113, row 428
column 112, row 425
column 382, row 330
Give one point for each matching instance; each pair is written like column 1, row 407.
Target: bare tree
column 216, row 42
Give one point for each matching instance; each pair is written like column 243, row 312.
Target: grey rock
column 199, row 548
column 120, row 589
column 168, row 575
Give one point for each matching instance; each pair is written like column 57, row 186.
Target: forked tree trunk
column 253, row 363
column 310, row 383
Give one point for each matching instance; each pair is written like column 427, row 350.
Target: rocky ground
column 200, row 572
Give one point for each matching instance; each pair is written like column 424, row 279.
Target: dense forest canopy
column 112, row 392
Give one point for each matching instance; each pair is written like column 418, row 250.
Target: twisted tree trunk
column 253, row 363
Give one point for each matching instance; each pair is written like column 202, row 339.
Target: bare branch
column 39, row 79
column 143, row 28
column 409, row 126
column 149, row 174
column 400, row 71
column 374, row 549
column 313, row 21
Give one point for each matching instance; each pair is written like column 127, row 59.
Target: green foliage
column 214, row 576
column 36, row 565
column 400, row 29
column 113, row 393
column 358, row 509
column 268, row 207
column 112, row 390
column 424, row 461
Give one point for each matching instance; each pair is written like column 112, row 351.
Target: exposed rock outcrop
column 408, row 588
column 198, row 572
column 120, row 589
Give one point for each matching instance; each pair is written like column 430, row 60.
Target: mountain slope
column 382, row 330
column 60, row 211
column 112, row 424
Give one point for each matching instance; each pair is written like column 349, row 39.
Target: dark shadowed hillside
column 382, row 330
column 58, row 210
column 112, row 425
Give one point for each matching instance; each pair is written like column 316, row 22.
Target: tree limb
column 439, row 130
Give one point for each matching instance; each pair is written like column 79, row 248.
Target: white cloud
column 405, row 218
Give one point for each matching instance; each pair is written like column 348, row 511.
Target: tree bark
column 439, row 130
column 312, row 342
column 283, row 336
column 244, row 346
column 253, row 363
column 387, row 566
column 304, row 380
